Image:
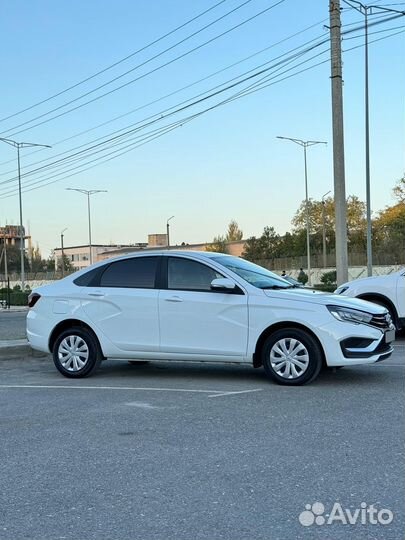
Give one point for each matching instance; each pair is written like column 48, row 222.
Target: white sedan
column 201, row 306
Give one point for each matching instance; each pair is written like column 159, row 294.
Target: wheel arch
column 69, row 323
column 377, row 298
column 257, row 360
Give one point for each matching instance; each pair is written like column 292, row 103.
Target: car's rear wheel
column 292, row 357
column 76, row 352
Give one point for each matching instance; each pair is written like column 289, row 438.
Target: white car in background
column 387, row 291
column 200, row 306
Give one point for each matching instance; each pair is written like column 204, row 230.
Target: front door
column 197, row 320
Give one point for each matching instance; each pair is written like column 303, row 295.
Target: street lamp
column 366, row 11
column 63, row 253
column 88, row 192
column 324, row 229
column 19, row 145
column 305, row 145
column 168, row 232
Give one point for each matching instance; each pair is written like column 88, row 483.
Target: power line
column 176, row 91
column 115, row 63
column 348, row 31
column 242, row 93
column 199, row 97
column 169, row 62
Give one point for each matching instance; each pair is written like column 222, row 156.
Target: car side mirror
column 223, row 284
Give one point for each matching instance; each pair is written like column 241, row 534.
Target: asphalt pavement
column 175, row 451
column 12, row 324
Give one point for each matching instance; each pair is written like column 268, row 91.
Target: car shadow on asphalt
column 202, row 372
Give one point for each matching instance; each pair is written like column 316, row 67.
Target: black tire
column 311, row 356
column 86, row 341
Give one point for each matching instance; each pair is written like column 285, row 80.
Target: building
column 157, row 240
column 10, row 236
column 79, row 256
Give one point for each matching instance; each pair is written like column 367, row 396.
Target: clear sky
column 226, row 164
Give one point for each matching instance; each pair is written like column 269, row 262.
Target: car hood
column 325, row 299
column 372, row 280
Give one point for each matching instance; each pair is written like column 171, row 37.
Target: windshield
column 255, row 275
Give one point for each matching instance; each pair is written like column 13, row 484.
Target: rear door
column 124, row 305
column 195, row 319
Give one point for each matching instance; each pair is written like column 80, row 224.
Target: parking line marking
column 213, row 393
column 233, row 393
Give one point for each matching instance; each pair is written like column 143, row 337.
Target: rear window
column 138, row 273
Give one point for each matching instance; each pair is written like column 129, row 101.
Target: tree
column 252, row 250
column 218, row 245
column 14, row 259
column 234, row 233
column 399, row 190
column 265, row 247
column 37, row 263
column 356, row 222
column 389, row 232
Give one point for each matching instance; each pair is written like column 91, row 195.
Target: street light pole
column 305, row 145
column 168, row 232
column 324, row 229
column 63, row 253
column 19, row 145
column 88, row 192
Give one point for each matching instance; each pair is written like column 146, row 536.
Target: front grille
column 381, row 321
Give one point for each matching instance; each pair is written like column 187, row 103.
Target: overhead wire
column 115, row 64
column 241, row 93
column 154, row 70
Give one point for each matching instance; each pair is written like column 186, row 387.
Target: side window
column 185, row 274
column 139, row 273
column 88, row 279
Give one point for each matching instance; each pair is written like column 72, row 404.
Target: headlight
column 350, row 315
column 341, row 290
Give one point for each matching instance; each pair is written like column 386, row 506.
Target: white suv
column 387, row 291
column 200, row 306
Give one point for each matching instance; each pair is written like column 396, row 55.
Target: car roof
column 168, row 252
column 154, row 253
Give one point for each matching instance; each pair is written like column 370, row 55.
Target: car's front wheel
column 292, row 356
column 76, row 352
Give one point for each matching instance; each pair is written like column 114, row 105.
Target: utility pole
column 324, row 229
column 168, row 232
column 338, row 143
column 89, row 192
column 305, row 145
column 63, row 253
column 5, row 255
column 19, row 145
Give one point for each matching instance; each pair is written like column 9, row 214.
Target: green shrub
column 19, row 299
column 329, row 278
column 325, row 287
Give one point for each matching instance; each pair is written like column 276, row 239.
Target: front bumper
column 366, row 348
column 347, row 344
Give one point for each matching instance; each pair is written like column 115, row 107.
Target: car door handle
column 96, row 293
column 174, row 299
